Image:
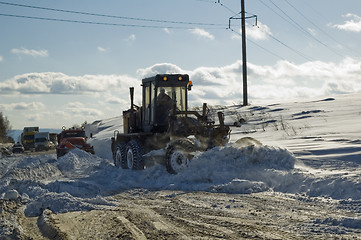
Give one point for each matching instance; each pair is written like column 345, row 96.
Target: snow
column 308, row 149
column 11, row 194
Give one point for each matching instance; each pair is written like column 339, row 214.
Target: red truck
column 72, row 138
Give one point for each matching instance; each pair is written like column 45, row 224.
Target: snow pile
column 77, row 160
column 43, row 182
column 234, row 158
column 206, row 171
column 221, row 168
column 82, row 180
column 346, row 187
column 64, row 202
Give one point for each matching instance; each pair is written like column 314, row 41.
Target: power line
column 292, row 22
column 142, row 19
column 111, row 16
column 320, row 29
column 94, row 23
column 274, row 38
column 275, row 12
column 253, row 42
column 292, row 49
column 282, row 43
column 306, row 32
column 258, row 45
column 228, row 8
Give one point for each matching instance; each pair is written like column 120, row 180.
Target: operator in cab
column 164, row 105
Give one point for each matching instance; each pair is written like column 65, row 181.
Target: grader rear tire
column 120, row 159
column 134, row 155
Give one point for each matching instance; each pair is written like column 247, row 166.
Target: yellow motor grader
column 164, row 122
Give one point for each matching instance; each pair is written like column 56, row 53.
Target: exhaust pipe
column 204, row 112
column 131, row 89
column 221, row 118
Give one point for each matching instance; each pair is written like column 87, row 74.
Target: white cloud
column 259, row 32
column 101, row 49
column 352, row 25
column 79, row 113
column 131, row 38
column 30, row 52
column 23, row 106
column 72, row 105
column 218, row 85
column 85, row 112
column 108, row 95
column 201, row 33
column 312, row 31
column 34, row 117
column 116, row 100
column 284, row 80
column 159, row 68
column 1, row 58
column 59, row 83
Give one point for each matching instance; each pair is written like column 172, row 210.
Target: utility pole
column 244, row 48
column 244, row 56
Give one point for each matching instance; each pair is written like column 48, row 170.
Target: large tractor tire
column 120, row 157
column 178, row 155
column 134, row 155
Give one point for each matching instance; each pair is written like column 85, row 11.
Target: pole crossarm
column 236, row 17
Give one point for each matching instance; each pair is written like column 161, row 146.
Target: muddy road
column 143, row 214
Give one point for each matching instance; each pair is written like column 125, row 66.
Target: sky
column 67, row 62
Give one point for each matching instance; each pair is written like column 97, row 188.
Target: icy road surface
column 303, row 182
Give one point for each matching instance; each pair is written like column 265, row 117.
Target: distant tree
column 4, row 126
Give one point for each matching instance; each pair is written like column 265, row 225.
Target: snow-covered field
column 310, row 152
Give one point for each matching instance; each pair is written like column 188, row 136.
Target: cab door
column 148, row 106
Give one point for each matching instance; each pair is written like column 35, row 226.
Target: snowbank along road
column 302, row 182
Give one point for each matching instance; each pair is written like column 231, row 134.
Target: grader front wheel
column 178, row 155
